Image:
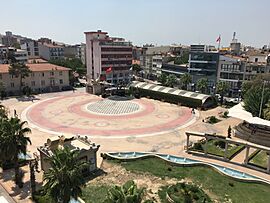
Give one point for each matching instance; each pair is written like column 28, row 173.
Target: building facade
column 232, row 71
column 108, row 59
column 32, row 48
column 50, row 51
column 204, row 65
column 45, row 77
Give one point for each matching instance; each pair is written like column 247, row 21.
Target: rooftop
column 52, row 45
column 36, row 67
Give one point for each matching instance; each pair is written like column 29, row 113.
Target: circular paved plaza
column 114, row 117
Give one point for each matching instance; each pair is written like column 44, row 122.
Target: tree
column 266, row 112
column 171, row 80
column 19, row 70
column 253, row 99
column 73, row 63
column 13, row 141
column 182, row 59
column 128, row 193
column 65, row 177
column 162, row 79
column 202, row 85
column 136, row 68
column 222, row 88
column 256, row 82
column 185, row 80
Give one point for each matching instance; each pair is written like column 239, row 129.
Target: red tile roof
column 36, row 67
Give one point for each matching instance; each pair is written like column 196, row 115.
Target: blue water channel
column 182, row 160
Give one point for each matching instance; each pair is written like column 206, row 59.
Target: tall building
column 108, row 59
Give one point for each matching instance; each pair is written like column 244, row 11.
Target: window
column 33, row 83
column 61, row 81
column 51, row 73
column 42, row 74
column 256, row 60
column 60, row 73
column 12, row 84
column 0, row 76
column 42, row 82
column 32, row 74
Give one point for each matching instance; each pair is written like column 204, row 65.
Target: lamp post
column 260, row 113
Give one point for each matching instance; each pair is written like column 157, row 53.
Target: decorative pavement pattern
column 90, row 115
column 113, row 107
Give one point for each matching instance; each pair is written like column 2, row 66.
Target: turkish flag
column 108, row 70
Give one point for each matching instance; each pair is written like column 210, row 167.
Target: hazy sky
column 140, row 21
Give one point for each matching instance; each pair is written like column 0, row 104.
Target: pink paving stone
column 35, row 115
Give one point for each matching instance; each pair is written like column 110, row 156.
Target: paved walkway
column 170, row 141
column 240, row 158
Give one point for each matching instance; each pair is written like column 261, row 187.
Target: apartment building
column 257, row 63
column 32, row 48
column 234, row 70
column 50, row 51
column 8, row 40
column 6, row 53
column 45, row 77
column 108, row 59
column 152, row 58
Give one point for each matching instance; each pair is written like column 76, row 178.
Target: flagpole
column 219, row 42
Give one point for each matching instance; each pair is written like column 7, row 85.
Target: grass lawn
column 217, row 186
column 95, row 193
column 216, row 147
column 260, row 159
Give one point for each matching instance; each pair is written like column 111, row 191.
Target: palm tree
column 222, row 88
column 19, row 70
column 202, row 85
column 128, row 193
column 13, row 141
column 171, row 80
column 65, row 177
column 185, row 80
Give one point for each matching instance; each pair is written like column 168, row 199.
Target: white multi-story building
column 234, row 70
column 107, row 58
column 50, row 51
column 32, row 48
